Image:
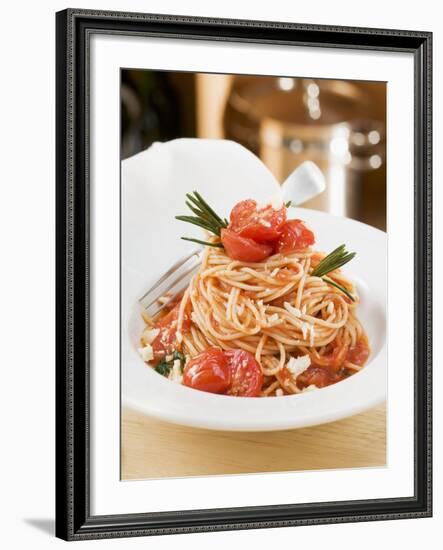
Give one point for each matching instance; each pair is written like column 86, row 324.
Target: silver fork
column 171, row 284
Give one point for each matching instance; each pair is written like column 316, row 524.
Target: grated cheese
column 297, row 365
column 273, row 319
column 311, row 387
column 149, row 335
column 292, row 310
column 175, row 374
column 147, row 353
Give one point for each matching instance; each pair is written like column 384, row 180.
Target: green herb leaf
column 163, row 368
column 179, row 355
column 288, row 204
column 200, row 222
column 198, row 212
column 205, row 243
column 205, row 206
column 205, row 217
column 342, row 288
column 337, row 258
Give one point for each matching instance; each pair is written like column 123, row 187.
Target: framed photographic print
column 243, row 274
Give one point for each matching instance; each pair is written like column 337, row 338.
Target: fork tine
column 171, row 285
column 154, row 309
column 171, row 270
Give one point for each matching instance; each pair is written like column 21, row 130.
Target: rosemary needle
column 206, row 243
column 337, row 258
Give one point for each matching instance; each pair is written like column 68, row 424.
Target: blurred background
column 338, row 124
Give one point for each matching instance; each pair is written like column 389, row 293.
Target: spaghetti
column 300, row 330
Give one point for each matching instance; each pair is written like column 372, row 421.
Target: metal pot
column 337, row 124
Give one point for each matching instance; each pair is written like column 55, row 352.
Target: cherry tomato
column 166, row 341
column 208, row 371
column 317, row 376
column 260, row 224
column 358, row 354
column 246, row 375
column 294, row 235
column 243, row 249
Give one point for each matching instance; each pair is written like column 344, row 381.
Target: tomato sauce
column 166, row 341
column 358, row 354
column 331, row 371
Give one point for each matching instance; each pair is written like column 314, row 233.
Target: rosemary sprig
column 205, row 217
column 337, row 258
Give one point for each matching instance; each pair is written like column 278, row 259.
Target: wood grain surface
column 153, row 449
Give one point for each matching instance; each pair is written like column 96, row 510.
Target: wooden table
column 151, row 448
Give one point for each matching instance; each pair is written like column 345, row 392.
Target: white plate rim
column 270, row 419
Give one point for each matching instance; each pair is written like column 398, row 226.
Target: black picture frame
column 74, row 28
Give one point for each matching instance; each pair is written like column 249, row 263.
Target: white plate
column 150, row 244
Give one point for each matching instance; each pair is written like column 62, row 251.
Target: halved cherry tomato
column 246, row 375
column 166, row 341
column 317, row 376
column 243, row 249
column 294, row 235
column 208, row 371
column 260, row 224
